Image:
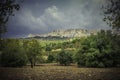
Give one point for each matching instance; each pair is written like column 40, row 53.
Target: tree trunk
column 34, row 63
column 31, row 63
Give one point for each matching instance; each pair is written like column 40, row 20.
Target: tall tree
column 112, row 13
column 7, row 7
column 32, row 49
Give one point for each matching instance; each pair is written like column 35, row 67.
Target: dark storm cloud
column 41, row 16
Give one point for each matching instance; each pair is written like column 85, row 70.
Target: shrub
column 50, row 58
column 14, row 59
column 12, row 54
column 64, row 58
column 80, row 58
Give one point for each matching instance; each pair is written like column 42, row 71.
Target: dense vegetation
column 100, row 50
column 64, row 58
column 12, row 54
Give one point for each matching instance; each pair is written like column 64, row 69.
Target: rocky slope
column 69, row 33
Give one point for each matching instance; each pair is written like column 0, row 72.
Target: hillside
column 69, row 33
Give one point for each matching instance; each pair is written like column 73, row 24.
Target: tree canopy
column 32, row 49
column 7, row 8
column 112, row 13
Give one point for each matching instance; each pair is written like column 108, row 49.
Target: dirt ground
column 54, row 72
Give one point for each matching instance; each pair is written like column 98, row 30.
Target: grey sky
column 42, row 16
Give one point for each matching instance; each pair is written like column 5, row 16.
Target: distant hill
column 69, row 33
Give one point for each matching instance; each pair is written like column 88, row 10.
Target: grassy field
column 55, row 72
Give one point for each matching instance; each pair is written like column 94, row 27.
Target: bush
column 13, row 54
column 80, row 58
column 13, row 59
column 101, row 65
column 50, row 58
column 64, row 58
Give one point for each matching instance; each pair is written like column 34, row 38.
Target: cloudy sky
column 43, row 16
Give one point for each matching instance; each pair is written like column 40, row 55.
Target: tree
column 80, row 57
column 112, row 13
column 32, row 49
column 99, row 50
column 7, row 7
column 64, row 58
column 50, row 58
column 13, row 54
column 112, row 17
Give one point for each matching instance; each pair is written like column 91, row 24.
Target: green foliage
column 112, row 11
column 12, row 54
column 32, row 48
column 50, row 58
column 41, row 59
column 64, row 58
column 48, row 47
column 79, row 58
column 99, row 50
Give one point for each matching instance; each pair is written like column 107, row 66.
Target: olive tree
column 32, row 49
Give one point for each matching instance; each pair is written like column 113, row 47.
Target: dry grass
column 53, row 72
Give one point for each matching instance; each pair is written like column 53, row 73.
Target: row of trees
column 68, row 43
column 100, row 50
column 16, row 53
